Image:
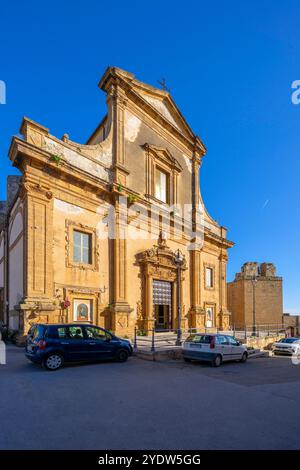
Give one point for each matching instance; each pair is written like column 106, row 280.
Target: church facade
column 113, row 232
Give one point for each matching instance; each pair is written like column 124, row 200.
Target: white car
column 214, row 348
column 287, row 347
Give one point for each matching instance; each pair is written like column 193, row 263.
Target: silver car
column 287, row 347
column 214, row 348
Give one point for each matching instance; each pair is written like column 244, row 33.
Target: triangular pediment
column 160, row 101
column 164, row 105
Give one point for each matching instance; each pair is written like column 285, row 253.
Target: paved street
column 146, row 405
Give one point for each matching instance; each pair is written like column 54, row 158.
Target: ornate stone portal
column 158, row 263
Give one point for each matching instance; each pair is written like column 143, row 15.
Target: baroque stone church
column 57, row 265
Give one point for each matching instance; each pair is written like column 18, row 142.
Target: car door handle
column 64, row 343
column 93, row 343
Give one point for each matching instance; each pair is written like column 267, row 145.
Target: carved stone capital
column 37, row 189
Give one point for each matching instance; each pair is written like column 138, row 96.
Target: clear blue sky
column 229, row 64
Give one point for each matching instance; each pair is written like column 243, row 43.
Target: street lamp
column 179, row 260
column 254, row 281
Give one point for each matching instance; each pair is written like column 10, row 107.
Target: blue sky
column 229, row 65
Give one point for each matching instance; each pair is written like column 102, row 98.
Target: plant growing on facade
column 132, row 199
column 56, row 159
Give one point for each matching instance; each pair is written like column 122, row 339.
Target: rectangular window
column 75, row 332
column 96, row 333
column 82, row 247
column 62, row 332
column 221, row 340
column 209, row 274
column 203, row 339
column 161, row 185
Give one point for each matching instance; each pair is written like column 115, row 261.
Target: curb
column 176, row 354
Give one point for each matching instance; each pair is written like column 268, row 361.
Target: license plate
column 30, row 348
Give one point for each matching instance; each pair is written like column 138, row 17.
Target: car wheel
column 186, row 359
column 122, row 355
column 217, row 361
column 53, row 361
column 244, row 357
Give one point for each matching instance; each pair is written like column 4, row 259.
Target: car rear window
column 203, row 339
column 31, row 330
column 36, row 331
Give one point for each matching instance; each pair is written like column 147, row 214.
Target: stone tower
column 255, row 296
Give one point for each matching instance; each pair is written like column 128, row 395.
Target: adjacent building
column 255, row 296
column 61, row 258
column 291, row 324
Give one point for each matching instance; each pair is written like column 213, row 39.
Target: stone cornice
column 29, row 153
column 258, row 278
column 223, row 242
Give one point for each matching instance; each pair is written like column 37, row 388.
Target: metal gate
column 162, row 295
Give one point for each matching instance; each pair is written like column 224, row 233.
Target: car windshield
column 204, row 339
column 289, row 340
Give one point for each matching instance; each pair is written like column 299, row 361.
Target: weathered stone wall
column 236, row 302
column 139, row 134
column 256, row 285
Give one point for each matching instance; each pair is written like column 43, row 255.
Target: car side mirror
column 238, row 343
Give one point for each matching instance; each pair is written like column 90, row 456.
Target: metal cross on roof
column 163, row 84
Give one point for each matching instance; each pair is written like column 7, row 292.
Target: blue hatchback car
column 52, row 345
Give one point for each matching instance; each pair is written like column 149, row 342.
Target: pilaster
column 120, row 308
column 38, row 243
column 224, row 314
column 117, row 100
